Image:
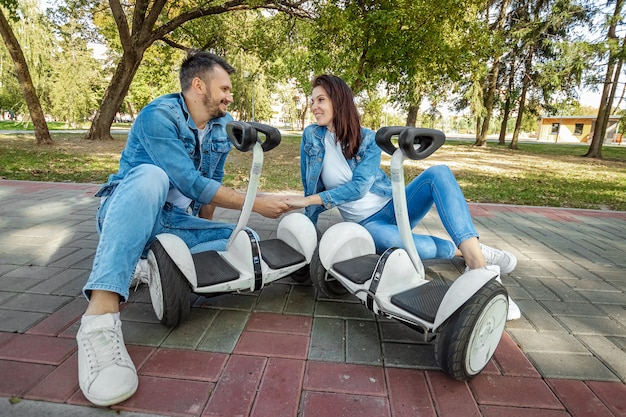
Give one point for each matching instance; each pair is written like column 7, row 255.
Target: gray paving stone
column 538, row 316
column 224, row 331
column 613, row 296
column 244, row 301
column 147, row 334
column 53, row 283
column 571, row 366
column 301, row 300
column 328, row 339
column 392, row 331
column 563, row 291
column 139, row 312
column 611, row 354
column 19, row 321
column 38, row 303
column 352, row 310
column 78, row 256
column 363, row 343
column 34, row 272
column 273, row 298
column 28, row 408
column 547, row 341
column 409, row 355
column 189, row 334
column 593, row 326
column 559, row 308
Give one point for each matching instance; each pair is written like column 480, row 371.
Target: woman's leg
column 439, row 186
column 384, row 230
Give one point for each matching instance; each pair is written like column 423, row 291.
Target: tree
column 74, row 98
column 411, row 47
column 497, row 29
column 42, row 134
column 140, row 23
column 616, row 54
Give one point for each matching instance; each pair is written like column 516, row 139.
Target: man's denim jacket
column 366, row 172
column 165, row 135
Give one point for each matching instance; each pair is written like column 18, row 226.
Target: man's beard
column 213, row 109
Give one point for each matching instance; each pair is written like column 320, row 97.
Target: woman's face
column 322, row 108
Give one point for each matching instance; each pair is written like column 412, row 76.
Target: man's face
column 218, row 93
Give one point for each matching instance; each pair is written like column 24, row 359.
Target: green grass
column 537, row 174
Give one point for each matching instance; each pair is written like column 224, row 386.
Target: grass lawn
column 536, row 175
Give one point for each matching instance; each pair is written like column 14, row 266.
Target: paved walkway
column 282, row 352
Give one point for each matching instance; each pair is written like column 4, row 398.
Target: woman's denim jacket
column 366, row 172
column 165, row 135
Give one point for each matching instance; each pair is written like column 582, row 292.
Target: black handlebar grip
column 272, row 135
column 242, row 135
column 428, row 141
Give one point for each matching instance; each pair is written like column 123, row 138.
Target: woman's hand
column 299, row 201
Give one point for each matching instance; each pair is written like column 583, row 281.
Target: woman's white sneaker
column 106, row 374
column 514, row 312
column 505, row 260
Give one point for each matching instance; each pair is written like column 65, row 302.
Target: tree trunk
column 42, row 134
column 522, row 99
column 479, row 141
column 411, row 116
column 491, row 92
column 114, row 95
column 493, row 74
column 507, row 105
column 595, row 149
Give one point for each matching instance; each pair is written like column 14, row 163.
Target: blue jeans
column 128, row 221
column 436, row 185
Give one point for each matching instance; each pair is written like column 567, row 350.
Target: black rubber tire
column 472, row 328
column 175, row 289
column 302, row 275
column 329, row 288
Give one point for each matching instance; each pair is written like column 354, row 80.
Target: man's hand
column 271, row 206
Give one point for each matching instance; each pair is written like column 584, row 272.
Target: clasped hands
column 273, row 205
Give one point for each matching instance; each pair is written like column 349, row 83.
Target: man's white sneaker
column 141, row 275
column 505, row 260
column 106, row 374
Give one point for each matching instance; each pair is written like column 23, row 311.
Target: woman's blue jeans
column 128, row 221
column 436, row 185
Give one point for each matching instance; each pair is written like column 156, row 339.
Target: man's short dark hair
column 200, row 64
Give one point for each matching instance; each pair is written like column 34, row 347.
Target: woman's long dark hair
column 345, row 116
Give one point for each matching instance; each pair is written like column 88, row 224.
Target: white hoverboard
column 247, row 264
column 465, row 318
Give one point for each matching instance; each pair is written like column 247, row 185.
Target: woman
column 340, row 167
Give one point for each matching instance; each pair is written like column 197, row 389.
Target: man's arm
column 207, row 211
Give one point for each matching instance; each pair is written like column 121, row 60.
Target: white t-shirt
column 336, row 172
column 174, row 196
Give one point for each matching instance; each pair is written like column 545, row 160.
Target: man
column 173, row 163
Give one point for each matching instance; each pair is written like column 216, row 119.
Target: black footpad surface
column 422, row 301
column 212, row 269
column 359, row 269
column 277, row 254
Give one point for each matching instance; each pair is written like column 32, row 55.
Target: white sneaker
column 505, row 260
column 514, row 312
column 142, row 274
column 106, row 374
